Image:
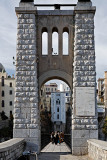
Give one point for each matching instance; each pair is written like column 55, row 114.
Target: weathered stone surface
column 26, row 96
column 97, row 149
column 12, row 149
column 27, row 116
column 85, row 107
column 79, row 150
column 81, row 134
column 84, row 82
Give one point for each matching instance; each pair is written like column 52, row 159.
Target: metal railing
column 45, row 139
column 67, row 139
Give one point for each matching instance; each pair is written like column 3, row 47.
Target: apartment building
column 58, row 113
column 45, row 95
column 7, row 87
column 100, row 94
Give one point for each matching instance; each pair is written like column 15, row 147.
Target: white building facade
column 63, row 87
column 58, row 114
column 7, row 93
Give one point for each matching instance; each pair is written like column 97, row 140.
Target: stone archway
column 55, row 74
column 45, row 106
column 31, row 65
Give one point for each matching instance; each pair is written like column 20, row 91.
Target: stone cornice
column 22, row 10
column 93, row 10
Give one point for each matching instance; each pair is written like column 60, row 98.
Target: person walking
column 56, row 138
column 59, row 138
column 52, row 137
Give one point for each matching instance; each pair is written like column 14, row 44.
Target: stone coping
column 7, row 145
column 98, row 143
column 55, row 12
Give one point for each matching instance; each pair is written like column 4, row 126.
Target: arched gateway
column 76, row 66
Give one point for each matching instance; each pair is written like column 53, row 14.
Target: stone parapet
column 12, row 149
column 97, row 149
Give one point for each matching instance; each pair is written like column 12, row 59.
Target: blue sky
column 8, row 32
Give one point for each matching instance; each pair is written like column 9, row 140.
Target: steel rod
column 52, row 5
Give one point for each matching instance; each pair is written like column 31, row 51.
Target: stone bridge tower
column 77, row 69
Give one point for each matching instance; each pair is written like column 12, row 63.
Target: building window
column 68, row 99
column 10, row 92
column 10, row 103
column 41, row 92
column 58, row 109
column 55, row 41
column 48, row 89
column 57, row 94
column 67, row 94
column 2, row 103
column 10, row 84
column 2, row 80
column 10, row 112
column 51, row 89
column 57, row 116
column 44, row 41
column 2, row 93
column 65, row 41
column 58, row 101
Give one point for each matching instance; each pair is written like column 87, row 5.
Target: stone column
column 26, row 112
column 84, row 119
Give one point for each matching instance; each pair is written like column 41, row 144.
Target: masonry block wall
column 84, row 118
column 26, row 113
column 12, row 149
column 97, row 149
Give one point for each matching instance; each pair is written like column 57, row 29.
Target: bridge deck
column 59, row 152
column 56, row 148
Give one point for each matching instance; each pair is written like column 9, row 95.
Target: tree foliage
column 3, row 116
column 104, row 129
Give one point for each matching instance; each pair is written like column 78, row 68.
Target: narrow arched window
column 2, row 80
column 57, row 116
column 44, row 41
column 58, row 109
column 55, row 41
column 2, row 93
column 65, row 41
column 58, row 102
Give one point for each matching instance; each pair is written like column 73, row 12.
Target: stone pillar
column 26, row 112
column 84, row 119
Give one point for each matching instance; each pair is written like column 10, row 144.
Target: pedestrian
column 56, row 138
column 52, row 137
